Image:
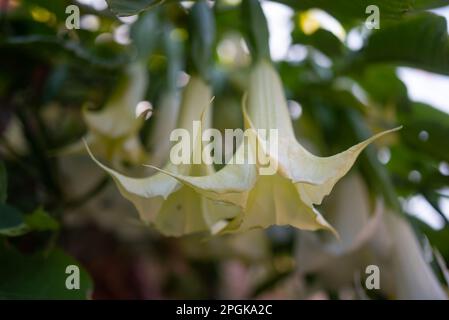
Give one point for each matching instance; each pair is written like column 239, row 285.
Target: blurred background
column 343, row 82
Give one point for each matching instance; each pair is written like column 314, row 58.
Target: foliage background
column 55, row 208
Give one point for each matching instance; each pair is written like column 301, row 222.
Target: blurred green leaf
column 202, row 31
column 377, row 175
column 39, row 276
column 56, row 7
column 256, row 29
column 103, row 56
column 348, row 11
column 419, row 41
column 3, row 183
column 144, row 33
column 421, row 117
column 383, row 85
column 322, row 40
column 11, row 221
column 40, row 220
column 438, row 238
column 404, row 160
column 131, row 7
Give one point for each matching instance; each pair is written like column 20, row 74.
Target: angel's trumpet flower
column 302, row 179
column 236, row 198
column 176, row 209
column 413, row 277
column 113, row 131
column 383, row 239
column 287, row 196
column 313, row 176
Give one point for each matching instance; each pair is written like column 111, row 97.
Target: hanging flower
column 177, row 209
column 383, row 239
column 288, row 196
column 413, row 276
column 113, row 131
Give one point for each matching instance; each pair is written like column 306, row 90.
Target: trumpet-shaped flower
column 236, row 198
column 383, row 239
column 174, row 208
column 113, row 131
column 301, row 180
column 414, row 277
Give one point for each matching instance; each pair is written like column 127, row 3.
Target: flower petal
column 275, row 201
column 147, row 194
column 117, row 118
column 231, row 184
column 414, row 278
column 267, row 109
column 316, row 176
column 180, row 214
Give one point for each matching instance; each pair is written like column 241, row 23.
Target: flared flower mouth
column 190, row 197
column 287, row 195
column 174, row 208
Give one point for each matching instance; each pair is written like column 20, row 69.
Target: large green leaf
column 421, row 117
column 131, row 7
column 405, row 159
column 350, row 10
column 256, row 29
column 202, row 30
column 39, row 276
column 145, row 33
column 322, row 40
column 419, row 41
column 383, row 85
column 344, row 10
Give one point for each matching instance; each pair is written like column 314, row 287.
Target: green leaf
column 131, row 7
column 419, row 41
column 438, row 238
column 256, row 27
column 421, row 117
column 107, row 58
column 383, row 85
column 3, row 183
column 202, row 31
column 11, row 221
column 39, row 276
column 40, row 220
column 347, row 11
column 322, row 40
column 56, row 7
column 14, row 223
column 406, row 158
column 144, row 40
column 377, row 174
